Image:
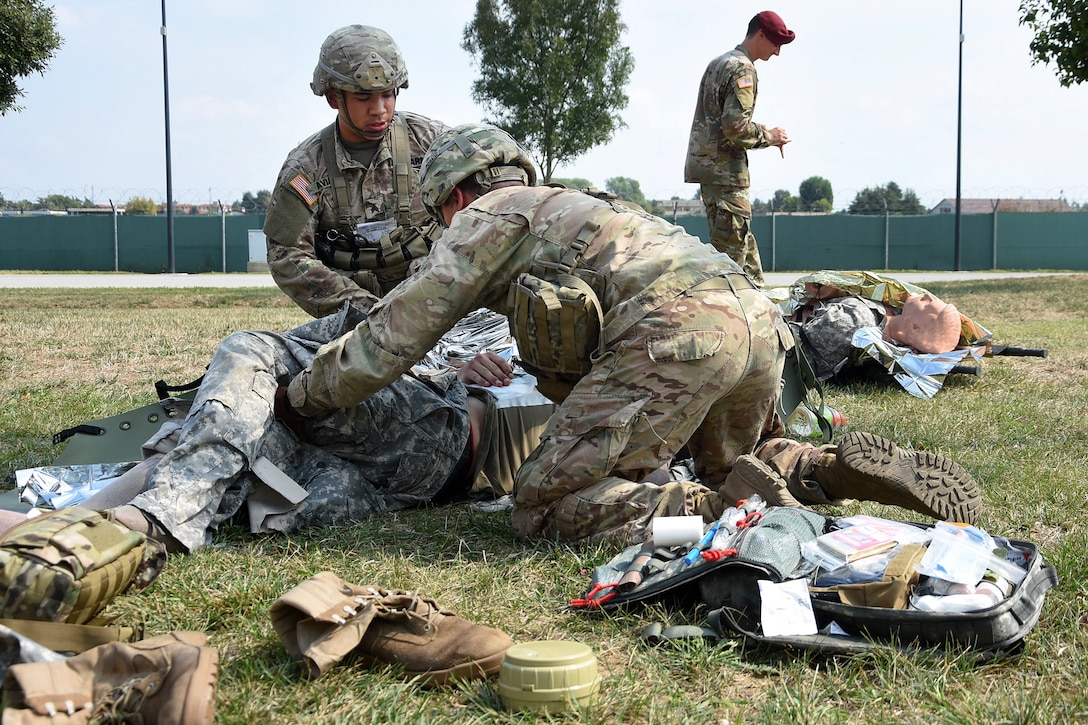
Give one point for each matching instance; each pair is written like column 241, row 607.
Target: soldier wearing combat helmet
column 345, row 220
column 648, row 340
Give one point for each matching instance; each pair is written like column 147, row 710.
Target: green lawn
column 67, row 356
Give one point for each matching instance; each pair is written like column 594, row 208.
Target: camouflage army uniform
column 827, row 331
column 722, row 131
column 394, row 451
column 687, row 360
column 304, row 207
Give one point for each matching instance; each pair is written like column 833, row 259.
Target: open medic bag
column 767, row 559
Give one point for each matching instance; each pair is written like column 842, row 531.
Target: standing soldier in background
column 722, row 132
column 345, row 219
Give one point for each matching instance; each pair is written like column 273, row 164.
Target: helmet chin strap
column 346, row 115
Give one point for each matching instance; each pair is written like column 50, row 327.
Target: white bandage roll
column 677, row 530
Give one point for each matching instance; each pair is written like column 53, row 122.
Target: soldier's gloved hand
column 288, row 415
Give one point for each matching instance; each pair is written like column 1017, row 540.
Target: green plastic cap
column 549, row 676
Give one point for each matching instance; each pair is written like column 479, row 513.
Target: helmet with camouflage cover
column 359, row 59
column 478, row 150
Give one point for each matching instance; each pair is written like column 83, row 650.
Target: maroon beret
column 775, row 28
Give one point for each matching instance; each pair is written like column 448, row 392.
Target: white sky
column 867, row 92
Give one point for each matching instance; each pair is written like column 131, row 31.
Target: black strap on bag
column 165, row 391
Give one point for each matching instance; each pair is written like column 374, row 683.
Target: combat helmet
column 478, row 150
column 359, row 59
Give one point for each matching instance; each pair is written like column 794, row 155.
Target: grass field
column 67, row 356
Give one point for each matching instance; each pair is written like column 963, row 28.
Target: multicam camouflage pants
column 729, row 216
column 702, row 370
column 393, row 451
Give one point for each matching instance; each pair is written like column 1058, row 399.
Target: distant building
column 681, row 207
column 94, row 210
column 987, row 206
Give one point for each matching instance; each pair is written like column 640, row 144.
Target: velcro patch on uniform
column 301, row 185
column 745, row 82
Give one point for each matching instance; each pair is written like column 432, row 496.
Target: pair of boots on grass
column 171, row 679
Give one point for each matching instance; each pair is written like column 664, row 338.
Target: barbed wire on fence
column 930, row 198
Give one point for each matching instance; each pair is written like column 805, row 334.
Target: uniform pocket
column 684, row 346
column 581, row 445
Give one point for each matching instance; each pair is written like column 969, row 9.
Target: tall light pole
column 959, row 144
column 169, row 180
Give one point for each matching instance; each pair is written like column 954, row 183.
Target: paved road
column 263, row 279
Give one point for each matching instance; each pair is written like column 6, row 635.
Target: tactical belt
column 733, row 281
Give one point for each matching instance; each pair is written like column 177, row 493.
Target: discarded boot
column 325, row 619
column 165, row 680
column 871, row 468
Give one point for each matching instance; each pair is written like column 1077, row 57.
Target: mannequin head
column 926, row 324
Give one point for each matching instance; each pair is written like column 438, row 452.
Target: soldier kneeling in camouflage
column 648, row 339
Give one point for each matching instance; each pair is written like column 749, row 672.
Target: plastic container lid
column 549, row 676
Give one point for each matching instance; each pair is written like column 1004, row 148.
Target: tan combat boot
column 324, row 619
column 871, row 468
column 751, row 475
column 165, row 680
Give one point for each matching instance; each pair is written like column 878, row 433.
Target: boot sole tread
column 925, row 482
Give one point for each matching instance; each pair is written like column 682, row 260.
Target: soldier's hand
column 486, row 369
column 777, row 136
column 288, row 415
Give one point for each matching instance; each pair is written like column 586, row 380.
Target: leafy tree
column 1060, row 27
column 816, row 194
column 785, row 201
column 782, row 201
column 626, row 189
column 60, row 202
column 253, row 204
column 552, row 74
column 11, row 204
column 657, row 208
column 28, row 40
column 141, row 205
column 873, row 200
column 573, row 182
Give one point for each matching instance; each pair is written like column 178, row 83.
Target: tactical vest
column 386, row 260
column 556, row 315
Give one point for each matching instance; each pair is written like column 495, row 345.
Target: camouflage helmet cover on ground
column 477, row 150
column 359, row 59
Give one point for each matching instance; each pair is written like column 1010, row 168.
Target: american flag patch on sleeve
column 301, row 185
column 745, row 82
